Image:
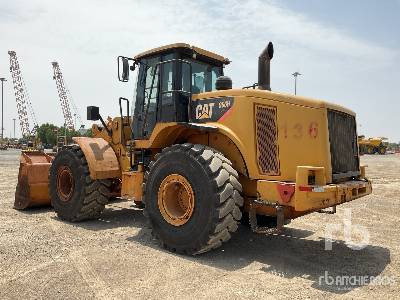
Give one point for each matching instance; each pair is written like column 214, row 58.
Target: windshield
column 204, row 76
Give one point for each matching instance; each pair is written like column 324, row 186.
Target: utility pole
column 2, row 107
column 65, row 134
column 14, row 127
column 295, row 74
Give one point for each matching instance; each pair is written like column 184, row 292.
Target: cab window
column 150, row 89
column 204, row 77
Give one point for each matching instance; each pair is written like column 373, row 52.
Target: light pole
column 295, row 74
column 2, row 108
column 65, row 134
column 14, row 128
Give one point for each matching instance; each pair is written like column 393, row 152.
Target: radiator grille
column 267, row 146
column 343, row 145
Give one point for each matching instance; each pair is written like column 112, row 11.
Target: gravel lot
column 116, row 257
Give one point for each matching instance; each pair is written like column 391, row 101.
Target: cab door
column 147, row 93
column 175, row 93
column 166, row 111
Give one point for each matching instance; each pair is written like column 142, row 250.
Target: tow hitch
column 280, row 218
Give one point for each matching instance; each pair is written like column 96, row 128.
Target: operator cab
column 166, row 79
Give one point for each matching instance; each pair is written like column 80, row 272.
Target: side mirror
column 123, row 68
column 93, row 113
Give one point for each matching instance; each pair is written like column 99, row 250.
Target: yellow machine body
column 301, row 143
column 279, row 144
column 372, row 145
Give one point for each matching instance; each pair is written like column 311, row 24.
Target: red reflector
column 286, row 191
column 305, row 188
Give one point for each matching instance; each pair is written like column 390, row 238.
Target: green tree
column 88, row 133
column 47, row 133
column 70, row 133
column 50, row 138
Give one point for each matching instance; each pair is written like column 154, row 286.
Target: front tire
column 192, row 198
column 371, row 150
column 382, row 150
column 74, row 195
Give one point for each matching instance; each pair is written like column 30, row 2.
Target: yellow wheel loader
column 199, row 156
column 372, row 145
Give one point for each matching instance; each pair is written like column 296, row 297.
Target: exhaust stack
column 264, row 59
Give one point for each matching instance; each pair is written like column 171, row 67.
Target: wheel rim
column 176, row 199
column 65, row 183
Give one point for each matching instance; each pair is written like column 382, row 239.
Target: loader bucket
column 33, row 178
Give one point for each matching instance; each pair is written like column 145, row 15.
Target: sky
column 347, row 51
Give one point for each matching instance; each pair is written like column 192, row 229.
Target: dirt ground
column 116, row 257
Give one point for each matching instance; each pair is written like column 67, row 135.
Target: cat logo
column 204, row 111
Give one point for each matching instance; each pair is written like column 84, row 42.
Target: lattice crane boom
column 75, row 109
column 63, row 95
column 24, row 104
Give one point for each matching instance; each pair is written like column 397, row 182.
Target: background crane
column 24, row 104
column 65, row 98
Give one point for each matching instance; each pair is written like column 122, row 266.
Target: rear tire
column 212, row 181
column 74, row 195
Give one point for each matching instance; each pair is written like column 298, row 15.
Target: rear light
column 305, row 188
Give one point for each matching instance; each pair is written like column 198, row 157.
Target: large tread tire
column 89, row 196
column 217, row 193
column 370, row 150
